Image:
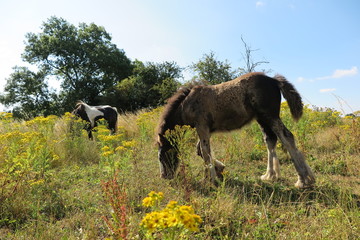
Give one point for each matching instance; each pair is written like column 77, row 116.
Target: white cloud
column 340, row 73
column 260, row 4
column 327, row 90
column 300, row 79
column 344, row 73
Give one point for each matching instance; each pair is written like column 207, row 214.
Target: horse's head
column 168, row 153
column 80, row 111
column 168, row 157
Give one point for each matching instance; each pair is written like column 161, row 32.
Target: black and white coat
column 93, row 113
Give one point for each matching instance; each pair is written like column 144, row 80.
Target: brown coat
column 229, row 106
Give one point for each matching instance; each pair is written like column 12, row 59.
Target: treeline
column 89, row 67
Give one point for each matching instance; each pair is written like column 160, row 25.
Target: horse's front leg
column 205, row 151
column 219, row 166
column 89, row 129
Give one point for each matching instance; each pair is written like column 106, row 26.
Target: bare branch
column 250, row 65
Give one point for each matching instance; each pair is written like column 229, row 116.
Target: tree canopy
column 150, row 85
column 83, row 58
column 89, row 67
column 29, row 93
column 209, row 70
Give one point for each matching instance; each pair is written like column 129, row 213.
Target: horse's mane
column 172, row 105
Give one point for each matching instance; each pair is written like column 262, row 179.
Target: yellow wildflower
column 38, row 182
column 119, row 149
column 172, row 216
column 172, row 204
column 152, row 199
column 147, row 202
column 105, row 148
column 129, row 144
column 107, row 153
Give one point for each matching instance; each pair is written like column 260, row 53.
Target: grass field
column 57, row 184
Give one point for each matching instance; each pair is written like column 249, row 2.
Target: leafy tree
column 150, row 85
column 29, row 93
column 82, row 58
column 209, row 70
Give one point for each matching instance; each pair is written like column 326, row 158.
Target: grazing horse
column 92, row 113
column 228, row 106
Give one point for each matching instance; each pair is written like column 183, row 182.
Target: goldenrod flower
column 107, row 153
column 129, row 144
column 173, row 216
column 172, row 204
column 105, row 148
column 152, row 199
column 119, row 149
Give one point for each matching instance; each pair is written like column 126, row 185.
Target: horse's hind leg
column 273, row 166
column 305, row 176
column 112, row 121
column 112, row 126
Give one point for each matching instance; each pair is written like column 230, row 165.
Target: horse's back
column 233, row 104
column 106, row 109
column 109, row 113
column 254, row 91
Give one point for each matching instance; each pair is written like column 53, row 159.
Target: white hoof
column 307, row 183
column 269, row 177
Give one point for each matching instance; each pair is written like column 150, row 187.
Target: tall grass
column 57, row 184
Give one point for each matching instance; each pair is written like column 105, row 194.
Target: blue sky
column 314, row 44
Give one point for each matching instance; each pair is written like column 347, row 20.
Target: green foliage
column 89, row 67
column 26, row 155
column 30, row 93
column 82, row 58
column 113, row 147
column 147, row 122
column 57, row 184
column 149, row 85
column 209, row 70
column 312, row 122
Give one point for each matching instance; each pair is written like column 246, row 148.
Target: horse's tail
column 292, row 97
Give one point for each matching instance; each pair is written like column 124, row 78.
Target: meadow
column 57, row 184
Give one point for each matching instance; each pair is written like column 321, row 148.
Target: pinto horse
column 228, row 106
column 93, row 113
